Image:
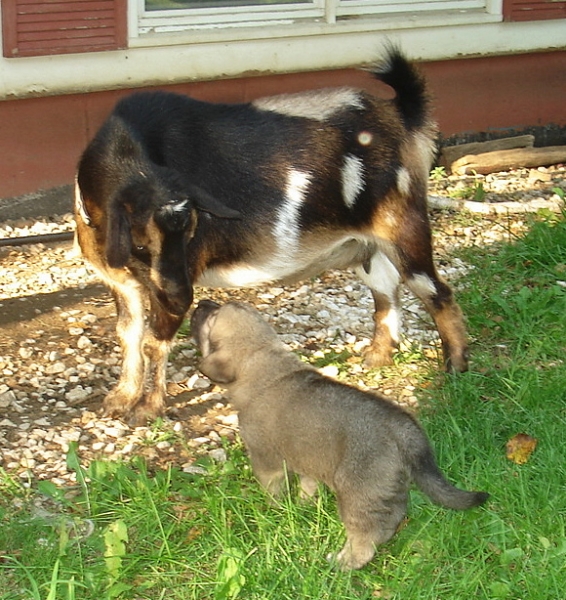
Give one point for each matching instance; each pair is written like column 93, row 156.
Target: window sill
column 305, row 29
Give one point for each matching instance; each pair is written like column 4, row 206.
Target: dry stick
column 504, row 160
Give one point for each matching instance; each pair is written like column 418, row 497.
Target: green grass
column 128, row 532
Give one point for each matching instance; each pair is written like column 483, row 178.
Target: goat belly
column 237, row 275
column 285, row 265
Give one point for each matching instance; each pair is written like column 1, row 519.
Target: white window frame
column 305, row 18
column 224, row 17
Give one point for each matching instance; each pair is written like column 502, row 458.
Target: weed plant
column 129, row 532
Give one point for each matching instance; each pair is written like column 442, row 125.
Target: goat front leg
column 156, row 345
column 130, row 331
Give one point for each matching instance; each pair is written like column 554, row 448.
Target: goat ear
column 207, row 203
column 118, row 236
column 218, row 369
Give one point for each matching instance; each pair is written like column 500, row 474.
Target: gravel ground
column 59, row 356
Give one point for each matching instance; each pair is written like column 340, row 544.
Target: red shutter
column 39, row 27
column 533, row 10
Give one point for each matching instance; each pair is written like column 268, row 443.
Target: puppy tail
column 431, row 481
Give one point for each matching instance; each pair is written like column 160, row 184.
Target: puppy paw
column 346, row 560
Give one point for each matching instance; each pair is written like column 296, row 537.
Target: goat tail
column 431, row 481
column 412, row 97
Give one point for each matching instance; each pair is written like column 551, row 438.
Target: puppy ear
column 218, row 369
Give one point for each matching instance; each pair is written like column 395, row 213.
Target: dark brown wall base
column 547, row 135
column 41, row 138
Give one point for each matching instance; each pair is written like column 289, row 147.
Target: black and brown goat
column 173, row 192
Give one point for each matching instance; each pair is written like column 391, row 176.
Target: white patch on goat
column 384, row 278
column 309, row 262
column 391, row 321
column 403, row 181
column 173, row 207
column 239, row 275
column 425, row 147
column 80, row 205
column 422, row 286
column 286, row 230
column 317, row 104
column 130, row 330
column 352, row 178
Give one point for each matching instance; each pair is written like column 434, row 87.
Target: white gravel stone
column 55, row 368
column 196, row 382
column 78, row 394
column 7, row 398
column 218, row 454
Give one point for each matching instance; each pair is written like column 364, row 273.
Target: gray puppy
column 295, row 420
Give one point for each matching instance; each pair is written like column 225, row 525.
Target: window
column 173, row 15
column 179, row 15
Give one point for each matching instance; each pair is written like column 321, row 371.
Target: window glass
column 186, row 4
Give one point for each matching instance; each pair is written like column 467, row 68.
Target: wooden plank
column 534, row 10
column 37, row 2
column 47, row 19
column 503, row 160
column 64, row 20
column 450, row 154
column 9, row 30
column 67, row 46
column 65, row 35
column 54, row 28
column 65, row 7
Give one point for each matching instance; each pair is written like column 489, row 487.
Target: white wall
column 171, row 58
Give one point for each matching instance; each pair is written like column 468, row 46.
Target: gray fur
column 293, row 419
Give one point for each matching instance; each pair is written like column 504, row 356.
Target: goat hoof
column 456, row 366
column 112, row 411
column 142, row 415
column 457, row 362
column 378, row 357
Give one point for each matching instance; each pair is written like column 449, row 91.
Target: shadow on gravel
column 27, row 308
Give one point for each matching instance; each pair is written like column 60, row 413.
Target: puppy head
column 227, row 337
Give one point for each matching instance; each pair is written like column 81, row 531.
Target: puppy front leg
column 309, row 487
column 270, row 472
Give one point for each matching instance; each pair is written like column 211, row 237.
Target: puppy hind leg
column 367, row 525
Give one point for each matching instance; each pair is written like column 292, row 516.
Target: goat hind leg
column 383, row 279
column 414, row 248
column 439, row 301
